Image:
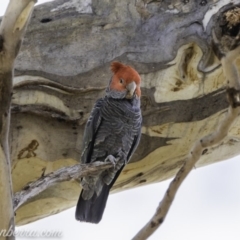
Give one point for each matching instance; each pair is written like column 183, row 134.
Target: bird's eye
column 121, row 81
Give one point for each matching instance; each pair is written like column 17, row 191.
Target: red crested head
column 125, row 79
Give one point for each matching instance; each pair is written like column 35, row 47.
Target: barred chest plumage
column 122, row 121
column 122, row 110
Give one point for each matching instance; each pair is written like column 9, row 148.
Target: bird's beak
column 131, row 87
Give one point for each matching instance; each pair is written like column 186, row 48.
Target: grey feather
column 113, row 128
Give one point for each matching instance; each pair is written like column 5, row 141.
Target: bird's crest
column 116, row 66
column 123, row 76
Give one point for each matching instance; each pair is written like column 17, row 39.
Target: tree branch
column 12, row 30
column 64, row 174
column 232, row 75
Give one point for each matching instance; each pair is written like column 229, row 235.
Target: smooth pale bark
column 232, row 76
column 12, row 29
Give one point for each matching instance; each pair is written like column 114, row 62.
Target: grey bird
column 112, row 133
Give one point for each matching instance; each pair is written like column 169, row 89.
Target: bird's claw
column 109, row 174
column 112, row 159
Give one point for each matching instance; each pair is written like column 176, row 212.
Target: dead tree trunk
column 63, row 67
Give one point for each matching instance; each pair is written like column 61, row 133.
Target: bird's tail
column 91, row 210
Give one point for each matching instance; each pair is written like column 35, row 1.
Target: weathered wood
column 64, row 174
column 12, row 29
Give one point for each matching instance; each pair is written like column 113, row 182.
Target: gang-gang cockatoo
column 112, row 133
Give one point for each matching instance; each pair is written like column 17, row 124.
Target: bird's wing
column 91, row 129
column 134, row 146
column 135, row 142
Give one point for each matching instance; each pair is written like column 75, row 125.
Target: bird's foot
column 112, row 159
column 110, row 173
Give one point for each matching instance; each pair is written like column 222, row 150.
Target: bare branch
column 61, row 175
column 232, row 75
column 191, row 160
column 13, row 26
column 12, row 29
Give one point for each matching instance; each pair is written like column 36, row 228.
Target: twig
column 64, row 174
column 232, row 75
